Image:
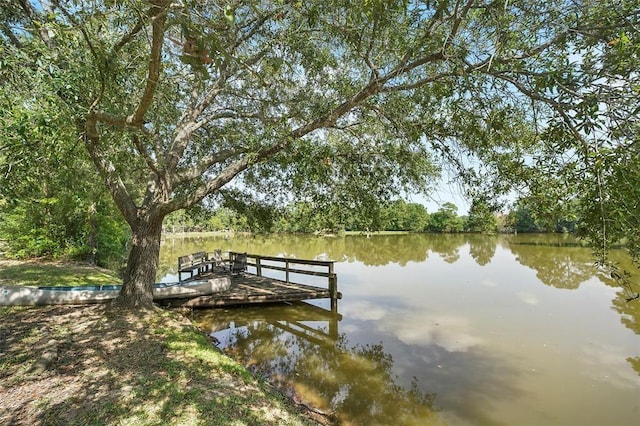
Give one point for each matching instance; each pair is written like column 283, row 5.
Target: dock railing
column 292, row 266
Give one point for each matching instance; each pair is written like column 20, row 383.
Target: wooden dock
column 252, row 287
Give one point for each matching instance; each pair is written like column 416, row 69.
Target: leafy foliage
column 335, row 103
column 52, row 203
column 482, row 217
column 446, row 219
column 586, row 163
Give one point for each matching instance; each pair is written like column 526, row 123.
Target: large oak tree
column 337, row 101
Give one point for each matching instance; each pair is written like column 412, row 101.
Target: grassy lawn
column 54, row 274
column 94, row 364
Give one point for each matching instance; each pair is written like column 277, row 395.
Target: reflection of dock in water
column 286, row 317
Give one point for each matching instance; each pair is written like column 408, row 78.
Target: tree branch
column 404, row 68
column 258, row 24
column 36, row 20
column 209, row 187
column 158, row 18
column 189, row 121
column 557, row 106
column 457, row 20
column 145, row 155
column 113, row 181
column 93, row 51
column 418, row 83
column 110, row 119
column 242, row 164
column 126, row 38
column 492, row 60
column 202, row 166
column 11, row 36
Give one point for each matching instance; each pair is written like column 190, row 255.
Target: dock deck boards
column 251, row 289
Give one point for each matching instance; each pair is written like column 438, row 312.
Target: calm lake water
column 438, row 329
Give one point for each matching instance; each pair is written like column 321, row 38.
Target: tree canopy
column 338, row 102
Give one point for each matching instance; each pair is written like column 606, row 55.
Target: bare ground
column 97, row 365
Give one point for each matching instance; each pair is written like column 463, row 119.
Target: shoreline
column 96, row 364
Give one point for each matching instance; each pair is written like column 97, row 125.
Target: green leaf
column 229, row 15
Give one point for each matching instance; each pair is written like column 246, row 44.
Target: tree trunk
column 92, row 237
column 140, row 274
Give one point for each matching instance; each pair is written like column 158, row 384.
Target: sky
column 444, row 192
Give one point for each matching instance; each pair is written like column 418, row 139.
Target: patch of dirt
column 53, row 352
column 9, row 262
column 95, row 364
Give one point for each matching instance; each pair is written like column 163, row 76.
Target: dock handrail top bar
column 297, row 271
column 288, row 259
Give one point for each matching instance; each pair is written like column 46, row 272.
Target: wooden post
column 286, row 272
column 333, row 289
column 258, row 267
column 333, row 324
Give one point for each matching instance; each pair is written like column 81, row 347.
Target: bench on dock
column 193, row 263
column 239, row 265
column 218, row 262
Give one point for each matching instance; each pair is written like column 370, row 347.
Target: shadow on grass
column 119, row 368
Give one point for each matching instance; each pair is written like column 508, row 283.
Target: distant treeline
column 90, row 228
column 398, row 215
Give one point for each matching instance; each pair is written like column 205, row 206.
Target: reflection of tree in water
column 357, row 383
column 377, row 250
column 447, row 246
column 635, row 364
column 564, row 263
column 558, row 265
column 384, row 249
column 165, row 269
column 482, row 248
column 629, row 310
column 630, row 317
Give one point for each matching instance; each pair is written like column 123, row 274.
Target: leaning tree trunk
column 140, row 274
